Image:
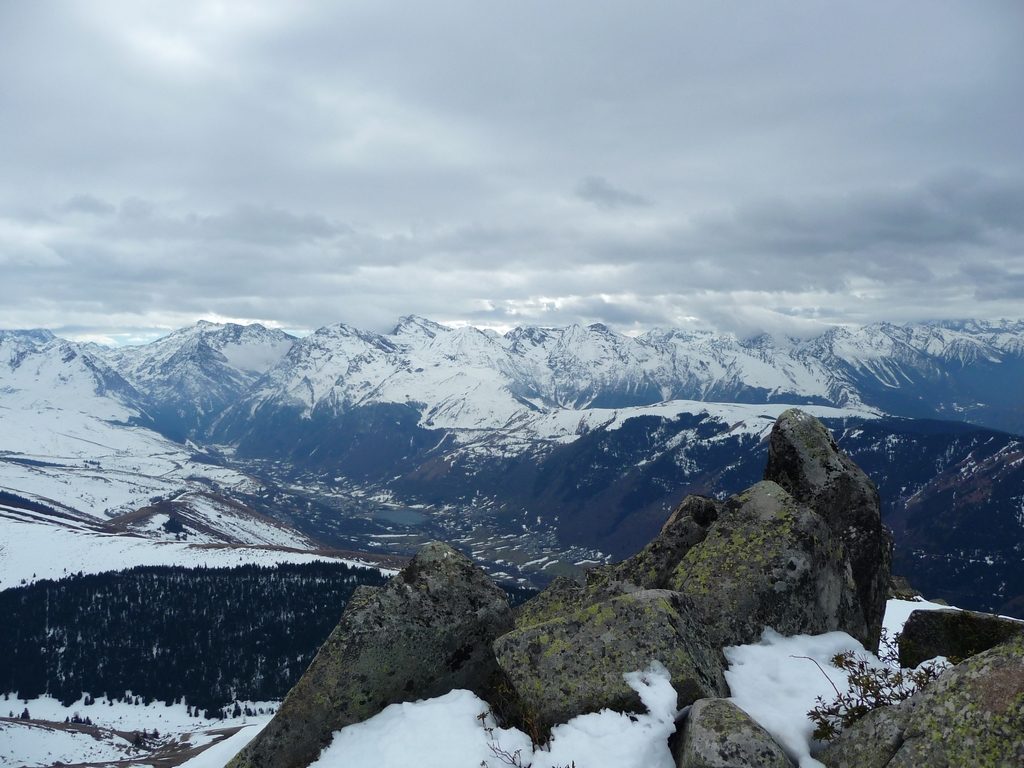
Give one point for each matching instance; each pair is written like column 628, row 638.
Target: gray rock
column 718, row 734
column 427, row 631
column 973, row 715
column 769, row 561
column 804, row 459
column 652, row 567
column 871, row 742
column 575, row 664
column 957, row 635
column 562, row 596
column 900, row 588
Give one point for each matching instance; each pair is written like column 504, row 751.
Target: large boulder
column 564, row 595
column 973, row 715
column 650, row 568
column 952, row 633
column 575, row 664
column 426, row 632
column 688, row 526
column 718, row 734
column 769, row 561
column 803, row 458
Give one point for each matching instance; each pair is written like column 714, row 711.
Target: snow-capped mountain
column 85, row 479
column 191, row 375
column 576, row 437
column 466, row 380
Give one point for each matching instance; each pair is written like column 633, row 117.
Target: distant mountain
column 464, row 379
column 191, row 375
column 578, row 437
column 85, row 479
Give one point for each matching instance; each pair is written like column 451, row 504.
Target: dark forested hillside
column 209, row 635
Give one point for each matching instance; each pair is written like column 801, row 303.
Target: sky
column 745, row 166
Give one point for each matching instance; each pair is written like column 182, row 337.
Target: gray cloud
column 599, row 191
column 309, row 163
column 88, row 204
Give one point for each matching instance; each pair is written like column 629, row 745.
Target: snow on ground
column 777, row 680
column 122, row 716
column 32, row 745
column 567, row 425
column 447, row 732
column 31, row 551
column 218, row 755
column 898, row 611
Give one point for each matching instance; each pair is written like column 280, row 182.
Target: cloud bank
column 752, row 168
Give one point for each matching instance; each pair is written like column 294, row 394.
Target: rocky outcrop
column 651, row 568
column 575, row 664
column 769, row 561
column 428, row 631
column 716, row 575
column 952, row 633
column 973, row 715
column 718, row 734
column 792, row 553
column 803, row 458
column 688, row 526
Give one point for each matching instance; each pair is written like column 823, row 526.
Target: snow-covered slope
column 461, row 379
column 80, row 471
column 191, row 375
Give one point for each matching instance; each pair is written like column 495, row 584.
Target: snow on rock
column 449, row 732
column 898, row 611
column 777, row 680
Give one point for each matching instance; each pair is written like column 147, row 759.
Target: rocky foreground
column 804, row 552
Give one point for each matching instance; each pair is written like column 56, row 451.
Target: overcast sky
column 748, row 166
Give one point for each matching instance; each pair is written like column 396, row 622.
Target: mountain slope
column 191, row 375
column 85, row 481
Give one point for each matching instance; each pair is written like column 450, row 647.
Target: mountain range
column 566, row 444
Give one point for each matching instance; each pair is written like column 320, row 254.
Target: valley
column 539, row 452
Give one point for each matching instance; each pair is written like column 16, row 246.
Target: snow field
column 33, row 551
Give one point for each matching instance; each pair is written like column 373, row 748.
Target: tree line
column 210, row 636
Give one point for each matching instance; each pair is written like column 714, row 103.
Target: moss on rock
column 718, row 734
column 769, row 561
column 575, row 664
column 952, row 633
column 973, row 715
column 427, row 631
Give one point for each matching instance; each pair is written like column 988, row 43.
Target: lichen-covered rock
column 957, row 635
column 769, row 561
column 872, row 741
column 652, row 567
column 562, row 596
column 426, row 632
column 575, row 664
column 900, row 588
column 804, row 459
column 718, row 734
column 973, row 715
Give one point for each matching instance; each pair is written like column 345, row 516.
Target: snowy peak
column 192, row 374
column 37, row 367
column 464, row 378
